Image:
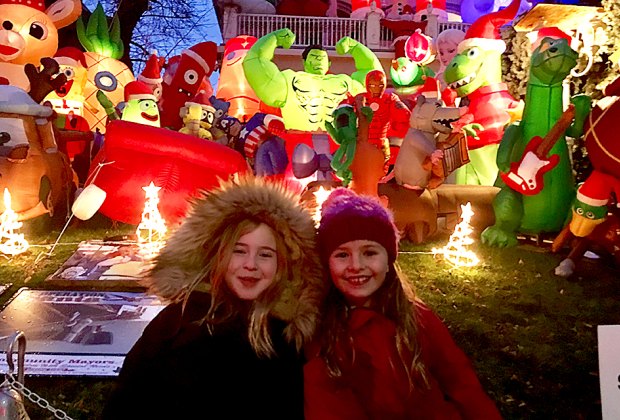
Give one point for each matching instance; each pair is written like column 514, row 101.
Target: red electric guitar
column 526, row 175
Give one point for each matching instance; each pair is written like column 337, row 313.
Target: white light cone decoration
column 456, row 252
column 152, row 228
column 320, row 195
column 11, row 243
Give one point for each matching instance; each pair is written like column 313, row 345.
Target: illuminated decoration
column 320, row 195
column 389, row 113
column 476, row 73
column 471, row 10
column 364, row 161
column 361, row 8
column 419, row 163
column 68, row 100
column 105, row 71
column 29, row 32
column 11, row 243
column 183, row 79
column 198, row 117
column 88, row 202
column 31, row 166
column 307, row 98
column 593, row 196
column 262, row 147
column 456, row 251
column 419, row 48
column 525, row 156
column 434, row 7
column 152, row 228
column 233, row 87
column 151, row 74
column 140, row 104
column 402, row 29
column 137, row 154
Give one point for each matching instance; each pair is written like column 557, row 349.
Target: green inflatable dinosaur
column 476, row 73
column 541, row 181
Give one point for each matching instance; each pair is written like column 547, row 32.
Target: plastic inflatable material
column 548, row 209
column 30, row 32
column 36, row 174
column 233, row 87
column 181, row 165
column 471, row 10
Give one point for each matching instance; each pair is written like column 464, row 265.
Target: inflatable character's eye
column 579, row 211
column 210, row 117
column 472, row 53
column 69, row 73
column 105, row 80
column 590, row 215
column 157, row 92
column 38, row 30
column 191, row 77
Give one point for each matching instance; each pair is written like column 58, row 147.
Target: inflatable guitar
column 526, row 175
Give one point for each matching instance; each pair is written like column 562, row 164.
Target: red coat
column 377, row 387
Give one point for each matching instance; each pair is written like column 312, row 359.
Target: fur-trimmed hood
column 182, row 260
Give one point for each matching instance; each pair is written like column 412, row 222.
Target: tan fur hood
column 182, row 259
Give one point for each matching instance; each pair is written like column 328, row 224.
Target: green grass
column 530, row 334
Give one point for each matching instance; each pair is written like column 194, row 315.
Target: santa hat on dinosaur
column 484, row 32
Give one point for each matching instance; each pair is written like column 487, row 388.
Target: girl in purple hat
column 381, row 353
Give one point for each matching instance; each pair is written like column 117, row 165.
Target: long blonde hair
column 396, row 300
column 225, row 306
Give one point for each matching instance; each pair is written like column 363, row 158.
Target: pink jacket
column 376, row 387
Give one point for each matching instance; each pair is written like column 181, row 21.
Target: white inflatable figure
column 254, row 7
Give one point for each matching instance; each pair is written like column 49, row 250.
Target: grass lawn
column 530, row 334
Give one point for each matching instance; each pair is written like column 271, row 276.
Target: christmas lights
column 320, row 195
column 11, row 243
column 152, row 227
column 455, row 251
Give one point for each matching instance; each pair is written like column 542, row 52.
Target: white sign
column 68, row 365
column 609, row 370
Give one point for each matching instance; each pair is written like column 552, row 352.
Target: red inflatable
column 181, row 165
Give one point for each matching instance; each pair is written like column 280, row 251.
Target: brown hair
column 224, row 304
column 396, row 300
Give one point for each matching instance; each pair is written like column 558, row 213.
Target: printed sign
column 102, row 263
column 609, row 370
column 76, row 333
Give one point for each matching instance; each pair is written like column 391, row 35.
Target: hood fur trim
column 272, row 203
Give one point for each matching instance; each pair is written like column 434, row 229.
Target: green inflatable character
column 344, row 132
column 537, row 184
column 307, row 98
column 476, row 73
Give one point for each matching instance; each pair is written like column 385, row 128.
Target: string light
column 320, row 195
column 152, row 228
column 11, row 243
column 456, row 252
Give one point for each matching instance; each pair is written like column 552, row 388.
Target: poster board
column 76, row 333
column 609, row 370
column 102, row 264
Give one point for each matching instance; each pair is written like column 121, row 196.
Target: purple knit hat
column 346, row 216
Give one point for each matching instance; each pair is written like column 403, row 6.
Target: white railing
column 324, row 31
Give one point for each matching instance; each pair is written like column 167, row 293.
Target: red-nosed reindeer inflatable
column 29, row 32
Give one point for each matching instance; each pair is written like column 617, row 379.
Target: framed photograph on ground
column 76, row 333
column 102, row 263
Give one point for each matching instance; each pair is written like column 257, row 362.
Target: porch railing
column 324, row 31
